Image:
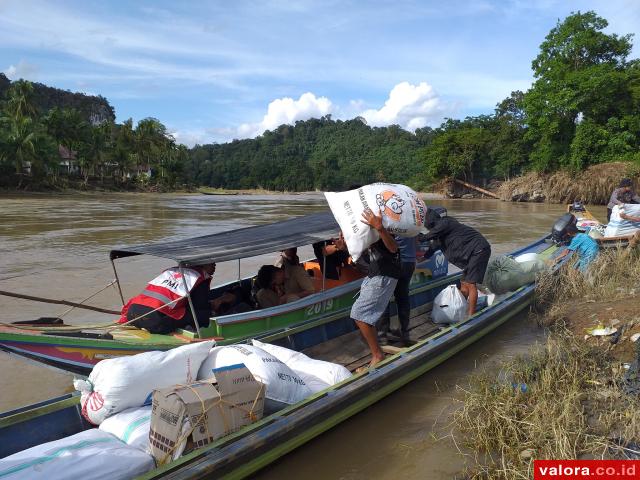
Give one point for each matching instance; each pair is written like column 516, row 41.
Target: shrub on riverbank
column 566, row 399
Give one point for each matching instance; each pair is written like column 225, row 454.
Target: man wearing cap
column 621, row 195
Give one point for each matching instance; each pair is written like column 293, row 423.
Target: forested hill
column 94, row 109
column 318, row 153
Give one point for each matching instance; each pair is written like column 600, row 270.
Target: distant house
column 68, row 163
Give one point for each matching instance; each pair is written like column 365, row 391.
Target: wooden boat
column 78, row 350
column 255, row 446
column 586, row 219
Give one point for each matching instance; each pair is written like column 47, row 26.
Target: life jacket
column 165, row 288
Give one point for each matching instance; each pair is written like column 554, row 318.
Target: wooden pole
column 59, row 302
column 473, row 187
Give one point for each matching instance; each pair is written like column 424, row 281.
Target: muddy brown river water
column 57, row 246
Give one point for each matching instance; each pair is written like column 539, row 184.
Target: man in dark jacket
column 463, row 246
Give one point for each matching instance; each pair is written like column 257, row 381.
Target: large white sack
column 282, row 384
column 317, row 374
column 119, row 383
column 403, row 213
column 89, row 455
column 130, row 426
column 449, row 306
column 618, row 226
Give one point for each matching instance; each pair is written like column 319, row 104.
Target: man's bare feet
column 375, row 360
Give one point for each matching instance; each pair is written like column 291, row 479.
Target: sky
column 219, row 70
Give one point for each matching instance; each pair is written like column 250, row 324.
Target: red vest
column 167, row 287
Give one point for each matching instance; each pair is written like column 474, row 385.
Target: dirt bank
column 592, row 186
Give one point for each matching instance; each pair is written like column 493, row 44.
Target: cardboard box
column 186, row 417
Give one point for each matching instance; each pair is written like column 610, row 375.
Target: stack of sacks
column 317, row 374
column 618, row 226
column 88, row 455
column 289, row 376
column 116, row 384
column 282, row 386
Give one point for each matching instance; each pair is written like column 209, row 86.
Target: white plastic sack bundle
column 449, row 306
column 317, row 374
column 116, row 384
column 88, row 455
column 618, row 226
column 131, row 426
column 403, row 213
column 282, row 384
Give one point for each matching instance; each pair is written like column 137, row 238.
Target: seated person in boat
column 270, row 283
column 332, row 256
column 233, row 300
column 621, row 195
column 163, row 306
column 585, row 247
column 378, row 286
column 296, row 280
column 463, row 246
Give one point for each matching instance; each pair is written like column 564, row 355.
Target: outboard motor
column 577, row 206
column 563, row 225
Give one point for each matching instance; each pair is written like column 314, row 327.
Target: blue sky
column 214, row 71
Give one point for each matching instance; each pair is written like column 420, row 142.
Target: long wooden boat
column 78, row 350
column 586, row 219
column 257, row 445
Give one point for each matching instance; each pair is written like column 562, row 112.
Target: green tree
column 580, row 75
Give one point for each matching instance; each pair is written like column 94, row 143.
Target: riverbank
column 575, row 396
column 592, row 186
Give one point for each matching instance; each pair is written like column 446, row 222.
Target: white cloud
column 287, row 110
column 410, row 106
column 23, row 70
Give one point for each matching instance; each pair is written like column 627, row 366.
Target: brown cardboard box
column 186, row 417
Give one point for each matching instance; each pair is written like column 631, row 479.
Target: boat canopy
column 240, row 243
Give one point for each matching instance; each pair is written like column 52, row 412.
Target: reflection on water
column 57, row 247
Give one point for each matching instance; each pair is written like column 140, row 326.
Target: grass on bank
column 572, row 406
column 592, row 186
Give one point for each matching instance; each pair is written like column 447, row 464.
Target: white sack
column 119, row 383
column 317, row 374
column 89, row 455
column 619, row 227
column 449, row 306
column 130, row 426
column 282, row 384
column 403, row 213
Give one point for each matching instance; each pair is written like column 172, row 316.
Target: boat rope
column 89, row 297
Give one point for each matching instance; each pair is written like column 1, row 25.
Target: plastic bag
column 317, row 374
column 116, row 384
column 449, row 306
column 403, row 213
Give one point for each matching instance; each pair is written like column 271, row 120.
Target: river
column 57, row 246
